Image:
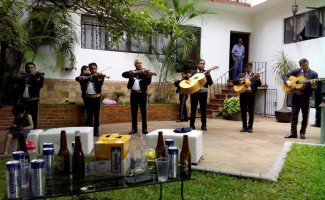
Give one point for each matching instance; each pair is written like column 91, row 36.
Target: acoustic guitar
column 298, row 83
column 245, row 83
column 194, row 83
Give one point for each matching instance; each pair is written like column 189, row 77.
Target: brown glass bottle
column 63, row 156
column 22, row 146
column 185, row 158
column 160, row 148
column 78, row 159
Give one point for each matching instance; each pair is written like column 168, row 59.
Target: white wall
column 267, row 39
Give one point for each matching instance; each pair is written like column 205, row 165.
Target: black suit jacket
column 298, row 72
column 209, row 79
column 97, row 84
column 144, row 80
column 254, row 81
column 34, row 84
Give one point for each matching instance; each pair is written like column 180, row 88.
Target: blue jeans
column 238, row 67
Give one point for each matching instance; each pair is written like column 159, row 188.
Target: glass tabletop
column 65, row 185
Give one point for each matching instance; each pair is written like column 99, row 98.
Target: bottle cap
column 77, row 133
column 30, row 145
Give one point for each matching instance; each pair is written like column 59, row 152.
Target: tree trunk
column 285, row 108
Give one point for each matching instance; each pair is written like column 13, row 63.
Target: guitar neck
column 307, row 81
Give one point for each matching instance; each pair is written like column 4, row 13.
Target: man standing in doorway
column 238, row 54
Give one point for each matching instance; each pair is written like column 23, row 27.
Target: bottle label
column 60, row 163
column 185, row 167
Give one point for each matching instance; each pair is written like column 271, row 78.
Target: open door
column 234, row 36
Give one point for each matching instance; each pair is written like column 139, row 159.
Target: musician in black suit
column 91, row 87
column 139, row 79
column 301, row 99
column 30, row 85
column 247, row 98
column 201, row 96
column 182, row 98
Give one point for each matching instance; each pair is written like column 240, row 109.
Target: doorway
column 234, row 36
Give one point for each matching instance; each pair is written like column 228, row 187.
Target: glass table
column 66, row 186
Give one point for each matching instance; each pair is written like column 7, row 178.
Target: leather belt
column 138, row 91
column 92, row 95
column 30, row 98
column 248, row 91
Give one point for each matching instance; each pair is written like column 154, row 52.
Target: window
column 308, row 25
column 94, row 36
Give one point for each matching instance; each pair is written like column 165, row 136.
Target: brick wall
column 72, row 115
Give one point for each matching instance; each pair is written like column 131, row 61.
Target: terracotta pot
column 283, row 116
column 235, row 117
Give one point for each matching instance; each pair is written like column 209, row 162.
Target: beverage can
column 48, row 156
column 38, row 179
column 24, row 168
column 173, row 162
column 13, row 179
column 168, row 143
column 48, row 145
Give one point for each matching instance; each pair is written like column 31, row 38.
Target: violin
column 144, row 72
column 97, row 76
column 35, row 74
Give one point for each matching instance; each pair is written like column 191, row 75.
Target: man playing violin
column 301, row 98
column 139, row 79
column 201, row 96
column 247, row 98
column 30, row 85
column 91, row 87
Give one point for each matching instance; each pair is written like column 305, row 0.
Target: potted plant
column 231, row 109
column 282, row 66
column 118, row 95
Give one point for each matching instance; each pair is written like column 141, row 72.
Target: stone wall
column 58, row 91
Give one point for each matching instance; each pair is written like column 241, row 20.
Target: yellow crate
column 106, row 142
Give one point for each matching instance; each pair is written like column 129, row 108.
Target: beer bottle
column 63, row 156
column 78, row 159
column 160, row 148
column 22, row 146
column 185, row 158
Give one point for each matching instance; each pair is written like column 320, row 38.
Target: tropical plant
column 231, row 106
column 178, row 45
column 282, row 65
column 118, row 95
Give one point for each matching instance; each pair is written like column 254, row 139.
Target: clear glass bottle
column 31, row 148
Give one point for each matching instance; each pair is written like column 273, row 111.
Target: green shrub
column 231, row 106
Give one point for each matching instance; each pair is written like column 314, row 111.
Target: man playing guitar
column 200, row 96
column 301, row 98
column 247, row 98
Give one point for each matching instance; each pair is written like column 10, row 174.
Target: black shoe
column 204, row 128
column 185, row 120
column 96, row 134
column 250, row 130
column 178, row 121
column 291, row 135
column 243, row 130
column 144, row 131
column 133, row 131
column 302, row 136
column 192, row 127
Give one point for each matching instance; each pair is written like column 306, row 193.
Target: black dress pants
column 139, row 99
column 92, row 109
column 247, row 103
column 182, row 107
column 202, row 99
column 299, row 102
column 32, row 108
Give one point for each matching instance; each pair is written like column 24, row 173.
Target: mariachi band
column 139, row 79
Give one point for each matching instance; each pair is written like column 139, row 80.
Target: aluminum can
column 38, row 179
column 173, row 162
column 168, row 143
column 48, row 156
column 48, row 145
column 13, row 179
column 24, row 168
column 116, row 167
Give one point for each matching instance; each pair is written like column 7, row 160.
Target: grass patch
column 303, row 177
